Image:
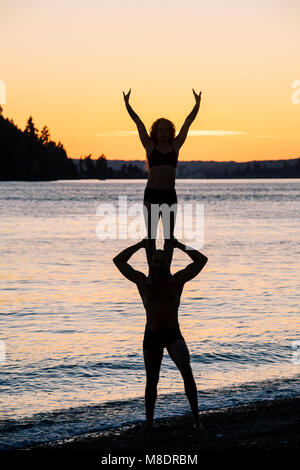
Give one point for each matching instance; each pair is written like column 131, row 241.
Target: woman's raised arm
column 132, row 114
column 180, row 138
column 145, row 138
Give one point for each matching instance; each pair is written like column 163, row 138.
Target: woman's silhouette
column 162, row 148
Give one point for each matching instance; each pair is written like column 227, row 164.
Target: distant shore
column 181, row 178
column 266, row 427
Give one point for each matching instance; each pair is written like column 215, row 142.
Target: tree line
column 30, row 155
column 98, row 168
column 261, row 170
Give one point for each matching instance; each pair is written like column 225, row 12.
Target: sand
column 263, row 428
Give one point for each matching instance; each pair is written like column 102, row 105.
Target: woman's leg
column 168, row 228
column 151, row 216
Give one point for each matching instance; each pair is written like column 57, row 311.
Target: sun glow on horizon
column 67, row 65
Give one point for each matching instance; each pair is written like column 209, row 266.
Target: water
column 72, row 325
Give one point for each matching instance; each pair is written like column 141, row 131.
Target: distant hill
column 283, row 168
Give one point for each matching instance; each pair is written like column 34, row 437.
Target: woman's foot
column 149, row 278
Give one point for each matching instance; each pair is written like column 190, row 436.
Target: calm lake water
column 72, row 326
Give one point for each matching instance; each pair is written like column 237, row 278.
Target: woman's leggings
column 160, row 202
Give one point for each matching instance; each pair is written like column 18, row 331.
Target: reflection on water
column 73, row 326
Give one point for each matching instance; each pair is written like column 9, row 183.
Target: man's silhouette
column 161, row 299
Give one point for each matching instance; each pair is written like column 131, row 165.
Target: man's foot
column 198, row 426
column 148, row 428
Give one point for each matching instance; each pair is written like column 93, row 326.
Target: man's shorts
column 157, row 340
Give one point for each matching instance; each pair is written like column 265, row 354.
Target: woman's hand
column 197, row 97
column 126, row 97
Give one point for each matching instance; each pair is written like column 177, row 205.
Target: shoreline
column 254, row 428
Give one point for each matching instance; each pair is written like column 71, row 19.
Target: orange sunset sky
column 67, row 62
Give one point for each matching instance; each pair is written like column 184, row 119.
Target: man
column 161, row 299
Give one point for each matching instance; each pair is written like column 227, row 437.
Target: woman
column 162, row 148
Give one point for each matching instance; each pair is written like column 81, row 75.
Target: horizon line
column 194, row 132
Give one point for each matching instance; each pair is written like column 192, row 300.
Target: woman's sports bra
column 159, row 158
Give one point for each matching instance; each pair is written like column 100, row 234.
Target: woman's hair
column 153, row 129
column 153, row 133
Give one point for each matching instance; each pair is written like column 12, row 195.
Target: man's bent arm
column 121, row 261
column 196, row 255
column 124, row 255
column 199, row 261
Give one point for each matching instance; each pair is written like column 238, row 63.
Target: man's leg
column 152, row 361
column 180, row 355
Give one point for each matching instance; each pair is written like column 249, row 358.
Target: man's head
column 159, row 263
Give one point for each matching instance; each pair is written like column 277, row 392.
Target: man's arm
column 121, row 261
column 192, row 269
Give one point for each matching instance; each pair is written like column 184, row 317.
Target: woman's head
column 162, row 131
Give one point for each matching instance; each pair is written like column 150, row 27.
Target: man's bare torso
column 161, row 300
